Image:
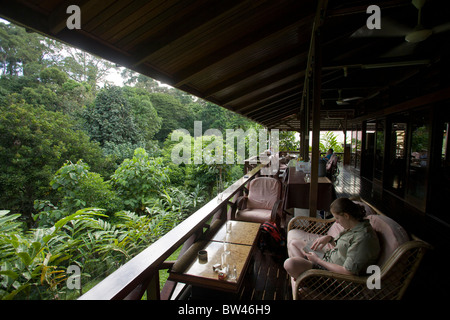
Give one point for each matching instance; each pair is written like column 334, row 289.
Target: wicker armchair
column 397, row 271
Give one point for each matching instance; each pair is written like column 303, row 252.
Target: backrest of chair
column 332, row 163
column 390, row 234
column 263, row 193
column 399, row 270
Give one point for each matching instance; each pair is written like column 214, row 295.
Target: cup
column 233, row 273
column 228, row 226
column 226, row 245
column 203, row 256
column 225, row 261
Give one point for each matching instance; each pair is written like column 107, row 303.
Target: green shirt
column 355, row 249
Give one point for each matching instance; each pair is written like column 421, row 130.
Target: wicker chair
column 397, row 271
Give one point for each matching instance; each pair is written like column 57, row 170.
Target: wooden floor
column 348, row 183
column 267, row 280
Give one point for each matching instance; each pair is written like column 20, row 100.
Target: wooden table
column 297, row 191
column 241, row 232
column 242, row 240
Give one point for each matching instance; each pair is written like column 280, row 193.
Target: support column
column 317, row 82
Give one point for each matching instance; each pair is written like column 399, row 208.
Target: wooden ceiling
column 250, row 56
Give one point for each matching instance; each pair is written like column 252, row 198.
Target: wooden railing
column 141, row 273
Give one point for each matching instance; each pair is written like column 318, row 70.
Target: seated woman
column 350, row 253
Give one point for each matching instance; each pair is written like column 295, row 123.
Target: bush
column 79, row 188
column 138, row 179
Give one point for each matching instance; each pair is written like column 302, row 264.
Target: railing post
column 153, row 291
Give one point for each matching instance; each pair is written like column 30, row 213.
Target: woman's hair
column 345, row 205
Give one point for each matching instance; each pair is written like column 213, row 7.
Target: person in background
column 329, row 154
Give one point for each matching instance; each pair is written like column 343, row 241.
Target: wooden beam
column 270, row 94
column 316, row 76
column 275, row 109
column 186, row 25
column 291, row 55
column 272, row 29
column 263, row 85
column 258, row 106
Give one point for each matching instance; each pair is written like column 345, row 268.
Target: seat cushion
column 254, row 215
column 390, row 234
column 297, row 234
column 263, row 193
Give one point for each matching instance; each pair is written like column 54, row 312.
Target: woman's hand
column 319, row 243
column 311, row 256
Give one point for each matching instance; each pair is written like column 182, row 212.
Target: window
column 396, row 170
column 379, row 150
column 419, row 160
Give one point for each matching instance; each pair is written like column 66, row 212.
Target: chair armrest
column 239, row 204
column 311, row 225
column 275, row 216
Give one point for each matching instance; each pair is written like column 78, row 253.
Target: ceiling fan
column 412, row 37
column 345, row 101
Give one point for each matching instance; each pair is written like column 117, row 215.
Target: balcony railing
column 141, row 273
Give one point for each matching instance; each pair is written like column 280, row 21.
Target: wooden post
column 313, row 70
column 317, row 81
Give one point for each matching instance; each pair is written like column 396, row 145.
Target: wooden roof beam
column 273, row 29
column 282, row 77
column 270, row 94
column 290, row 55
column 185, row 26
column 258, row 106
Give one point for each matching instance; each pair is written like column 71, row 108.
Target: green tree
column 174, row 115
column 288, row 141
column 34, row 143
column 145, row 115
column 79, row 188
column 110, row 122
column 329, row 140
column 79, row 65
column 21, row 52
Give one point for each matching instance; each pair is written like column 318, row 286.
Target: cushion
column 335, row 230
column 390, row 234
column 369, row 210
column 254, row 215
column 263, row 193
column 297, row 234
